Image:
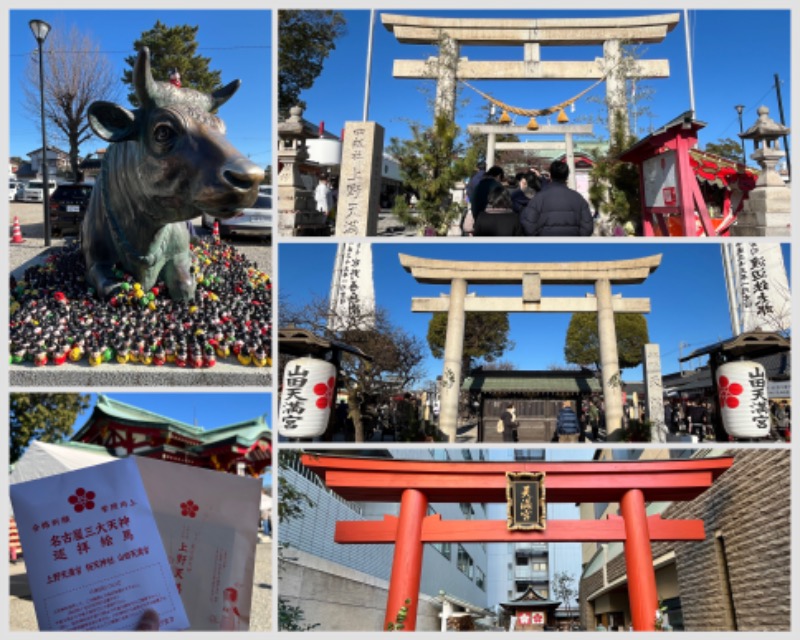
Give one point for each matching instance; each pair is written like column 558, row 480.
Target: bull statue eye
column 163, row 134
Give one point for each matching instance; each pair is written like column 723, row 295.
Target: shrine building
column 243, row 448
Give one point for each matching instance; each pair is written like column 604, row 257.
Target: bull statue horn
column 152, row 93
column 143, row 83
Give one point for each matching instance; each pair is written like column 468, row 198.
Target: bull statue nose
column 242, row 174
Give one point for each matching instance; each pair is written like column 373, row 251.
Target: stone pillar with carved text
column 360, row 180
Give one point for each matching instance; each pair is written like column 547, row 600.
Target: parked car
column 256, row 220
column 12, row 189
column 34, row 190
column 68, row 207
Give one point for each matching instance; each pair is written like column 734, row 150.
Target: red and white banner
column 761, row 287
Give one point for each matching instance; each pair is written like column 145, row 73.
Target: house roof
column 50, row 147
column 777, row 365
column 752, row 344
column 299, row 342
column 531, row 597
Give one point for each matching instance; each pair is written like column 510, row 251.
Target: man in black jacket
column 558, row 210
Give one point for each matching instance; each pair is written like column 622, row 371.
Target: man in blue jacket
column 567, row 426
column 558, row 210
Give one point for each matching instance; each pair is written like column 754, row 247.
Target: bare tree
column 563, row 588
column 76, row 74
column 397, row 356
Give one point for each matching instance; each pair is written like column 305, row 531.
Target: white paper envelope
column 208, row 521
column 93, row 552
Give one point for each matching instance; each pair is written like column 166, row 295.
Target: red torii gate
column 417, row 483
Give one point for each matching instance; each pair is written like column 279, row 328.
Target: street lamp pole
column 740, row 109
column 40, row 30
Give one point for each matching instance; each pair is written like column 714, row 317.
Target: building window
column 442, row 547
column 440, row 454
column 465, row 564
column 480, row 579
column 466, row 453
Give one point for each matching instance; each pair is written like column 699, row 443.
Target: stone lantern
column 767, row 211
column 297, row 212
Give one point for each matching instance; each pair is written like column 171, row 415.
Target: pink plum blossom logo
column 82, row 500
column 325, row 391
column 728, row 391
column 189, row 509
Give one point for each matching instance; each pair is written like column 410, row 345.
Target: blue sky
column 237, row 52
column 727, row 71
column 687, row 292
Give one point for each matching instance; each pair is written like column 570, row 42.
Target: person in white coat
column 323, row 196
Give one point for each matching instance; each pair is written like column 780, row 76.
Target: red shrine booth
column 526, row 488
column 684, row 191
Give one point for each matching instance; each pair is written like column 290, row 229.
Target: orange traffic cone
column 16, row 233
column 215, row 232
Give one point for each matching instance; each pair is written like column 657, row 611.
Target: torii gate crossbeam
column 415, row 484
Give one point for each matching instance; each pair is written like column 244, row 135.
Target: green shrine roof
column 245, row 432
column 499, row 382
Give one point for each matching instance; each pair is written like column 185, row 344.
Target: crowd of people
column 533, row 203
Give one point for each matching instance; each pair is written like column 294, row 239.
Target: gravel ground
column 23, row 618
column 225, row 374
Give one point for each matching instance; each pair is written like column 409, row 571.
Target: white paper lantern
column 309, row 387
column 743, row 400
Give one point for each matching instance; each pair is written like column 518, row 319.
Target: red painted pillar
column 407, row 563
column 642, row 592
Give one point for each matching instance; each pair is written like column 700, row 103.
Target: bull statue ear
column 110, row 121
column 222, row 95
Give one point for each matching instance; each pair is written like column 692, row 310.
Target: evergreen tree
column 432, row 162
column 305, row 39
column 41, row 416
column 485, row 337
column 173, row 48
column 726, row 148
column 582, row 345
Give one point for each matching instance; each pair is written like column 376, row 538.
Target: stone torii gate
column 532, row 33
column 416, row 484
column 531, row 275
column 567, row 130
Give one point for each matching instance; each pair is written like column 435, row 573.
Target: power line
column 130, row 52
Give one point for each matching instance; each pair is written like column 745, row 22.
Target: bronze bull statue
column 168, row 163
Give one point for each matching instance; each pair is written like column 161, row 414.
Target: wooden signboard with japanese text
column 525, row 500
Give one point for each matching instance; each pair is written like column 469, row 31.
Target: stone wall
column 747, row 523
column 749, row 508
column 341, row 599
